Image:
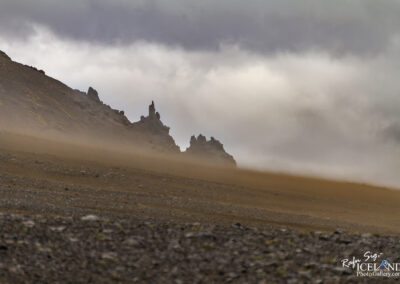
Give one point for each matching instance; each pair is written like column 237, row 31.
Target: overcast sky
column 303, row 86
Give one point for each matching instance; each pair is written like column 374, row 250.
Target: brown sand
column 49, row 176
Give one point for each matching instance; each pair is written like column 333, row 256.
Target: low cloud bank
column 304, row 112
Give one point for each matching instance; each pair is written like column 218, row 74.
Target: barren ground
column 48, row 177
column 52, row 179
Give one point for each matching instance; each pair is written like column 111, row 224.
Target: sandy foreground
column 187, row 207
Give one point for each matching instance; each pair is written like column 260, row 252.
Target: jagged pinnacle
column 152, row 109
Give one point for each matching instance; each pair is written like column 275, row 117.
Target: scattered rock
column 200, row 235
column 132, row 242
column 366, row 235
column 57, row 229
column 237, row 225
column 29, row 224
column 109, row 255
column 163, row 252
column 90, row 218
column 73, row 240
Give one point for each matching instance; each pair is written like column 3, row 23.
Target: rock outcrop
column 155, row 128
column 210, row 151
column 4, row 55
column 92, row 94
column 152, row 123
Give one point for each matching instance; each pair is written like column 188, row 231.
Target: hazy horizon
column 296, row 86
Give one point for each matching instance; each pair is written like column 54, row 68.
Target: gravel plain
column 92, row 249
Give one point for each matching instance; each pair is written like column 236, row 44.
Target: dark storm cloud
column 341, row 26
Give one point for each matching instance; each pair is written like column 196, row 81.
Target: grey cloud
column 392, row 132
column 305, row 110
column 358, row 26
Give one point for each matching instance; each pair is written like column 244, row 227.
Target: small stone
column 174, row 244
column 305, row 274
column 232, row 275
column 57, row 229
column 132, row 242
column 109, row 255
column 344, row 241
column 90, row 218
column 175, row 271
column 200, row 235
column 342, row 270
column 366, row 235
column 15, row 269
column 274, row 263
column 236, row 225
column 338, row 232
column 29, row 224
column 311, row 265
column 323, row 237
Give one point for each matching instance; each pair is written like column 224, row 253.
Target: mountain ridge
column 31, row 100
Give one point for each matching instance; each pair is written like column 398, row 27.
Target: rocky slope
column 30, row 100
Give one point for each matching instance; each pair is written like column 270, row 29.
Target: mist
column 305, row 110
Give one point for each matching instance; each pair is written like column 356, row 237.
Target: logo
column 372, row 264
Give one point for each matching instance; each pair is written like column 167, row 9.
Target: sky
column 299, row 86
